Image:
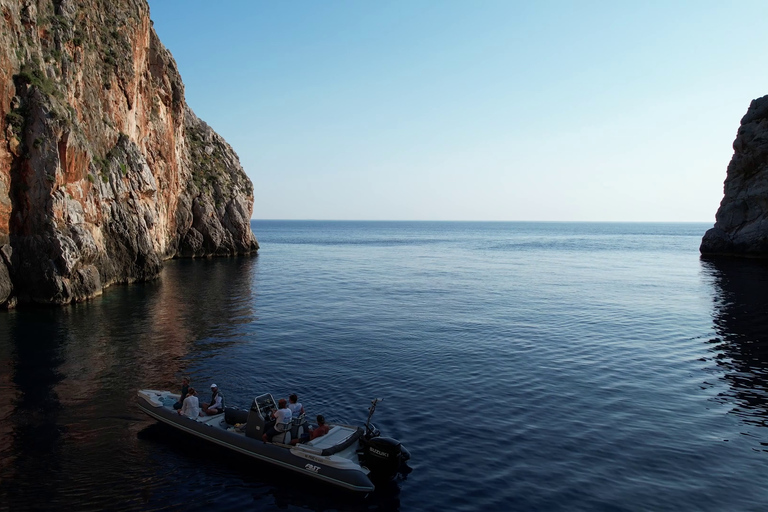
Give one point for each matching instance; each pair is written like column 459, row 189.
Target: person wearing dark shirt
column 216, row 406
column 184, row 391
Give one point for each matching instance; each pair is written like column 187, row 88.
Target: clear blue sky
column 474, row 110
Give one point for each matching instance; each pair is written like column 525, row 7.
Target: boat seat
column 337, row 439
column 298, row 426
column 283, row 437
column 335, row 434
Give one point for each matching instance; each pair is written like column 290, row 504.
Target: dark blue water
column 526, row 366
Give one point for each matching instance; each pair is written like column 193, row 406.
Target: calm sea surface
column 526, row 366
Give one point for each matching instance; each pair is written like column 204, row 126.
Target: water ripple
column 553, row 366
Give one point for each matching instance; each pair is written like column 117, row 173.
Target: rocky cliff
column 104, row 170
column 741, row 223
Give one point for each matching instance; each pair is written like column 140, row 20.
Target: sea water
column 525, row 366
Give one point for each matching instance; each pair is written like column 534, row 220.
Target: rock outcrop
column 741, row 223
column 104, row 170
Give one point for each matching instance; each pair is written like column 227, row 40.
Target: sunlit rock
column 104, row 170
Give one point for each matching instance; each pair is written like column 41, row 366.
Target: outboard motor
column 383, row 456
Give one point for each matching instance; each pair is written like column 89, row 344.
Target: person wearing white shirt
column 191, row 406
column 295, row 406
column 282, row 421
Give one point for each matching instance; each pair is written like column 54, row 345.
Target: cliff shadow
column 31, row 432
column 68, row 379
column 740, row 320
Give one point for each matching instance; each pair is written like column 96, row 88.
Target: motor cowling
column 383, row 457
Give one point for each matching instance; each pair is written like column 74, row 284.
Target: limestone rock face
column 104, row 170
column 741, row 227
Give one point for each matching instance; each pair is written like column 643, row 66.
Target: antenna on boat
column 372, row 432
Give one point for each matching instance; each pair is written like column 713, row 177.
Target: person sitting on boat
column 184, row 390
column 282, row 422
column 216, row 406
column 191, row 407
column 320, row 430
column 295, row 406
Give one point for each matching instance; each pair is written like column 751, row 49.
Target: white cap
column 214, row 386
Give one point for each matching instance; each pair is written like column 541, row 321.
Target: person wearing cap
column 282, row 423
column 216, row 405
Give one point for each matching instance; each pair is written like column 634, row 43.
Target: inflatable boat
column 347, row 456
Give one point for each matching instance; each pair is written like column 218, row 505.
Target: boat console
column 260, row 413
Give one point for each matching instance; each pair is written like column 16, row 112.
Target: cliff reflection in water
column 741, row 322
column 68, row 377
column 29, row 428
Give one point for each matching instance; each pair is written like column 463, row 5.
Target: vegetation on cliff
column 104, row 170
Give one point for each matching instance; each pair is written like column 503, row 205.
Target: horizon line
column 520, row 221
